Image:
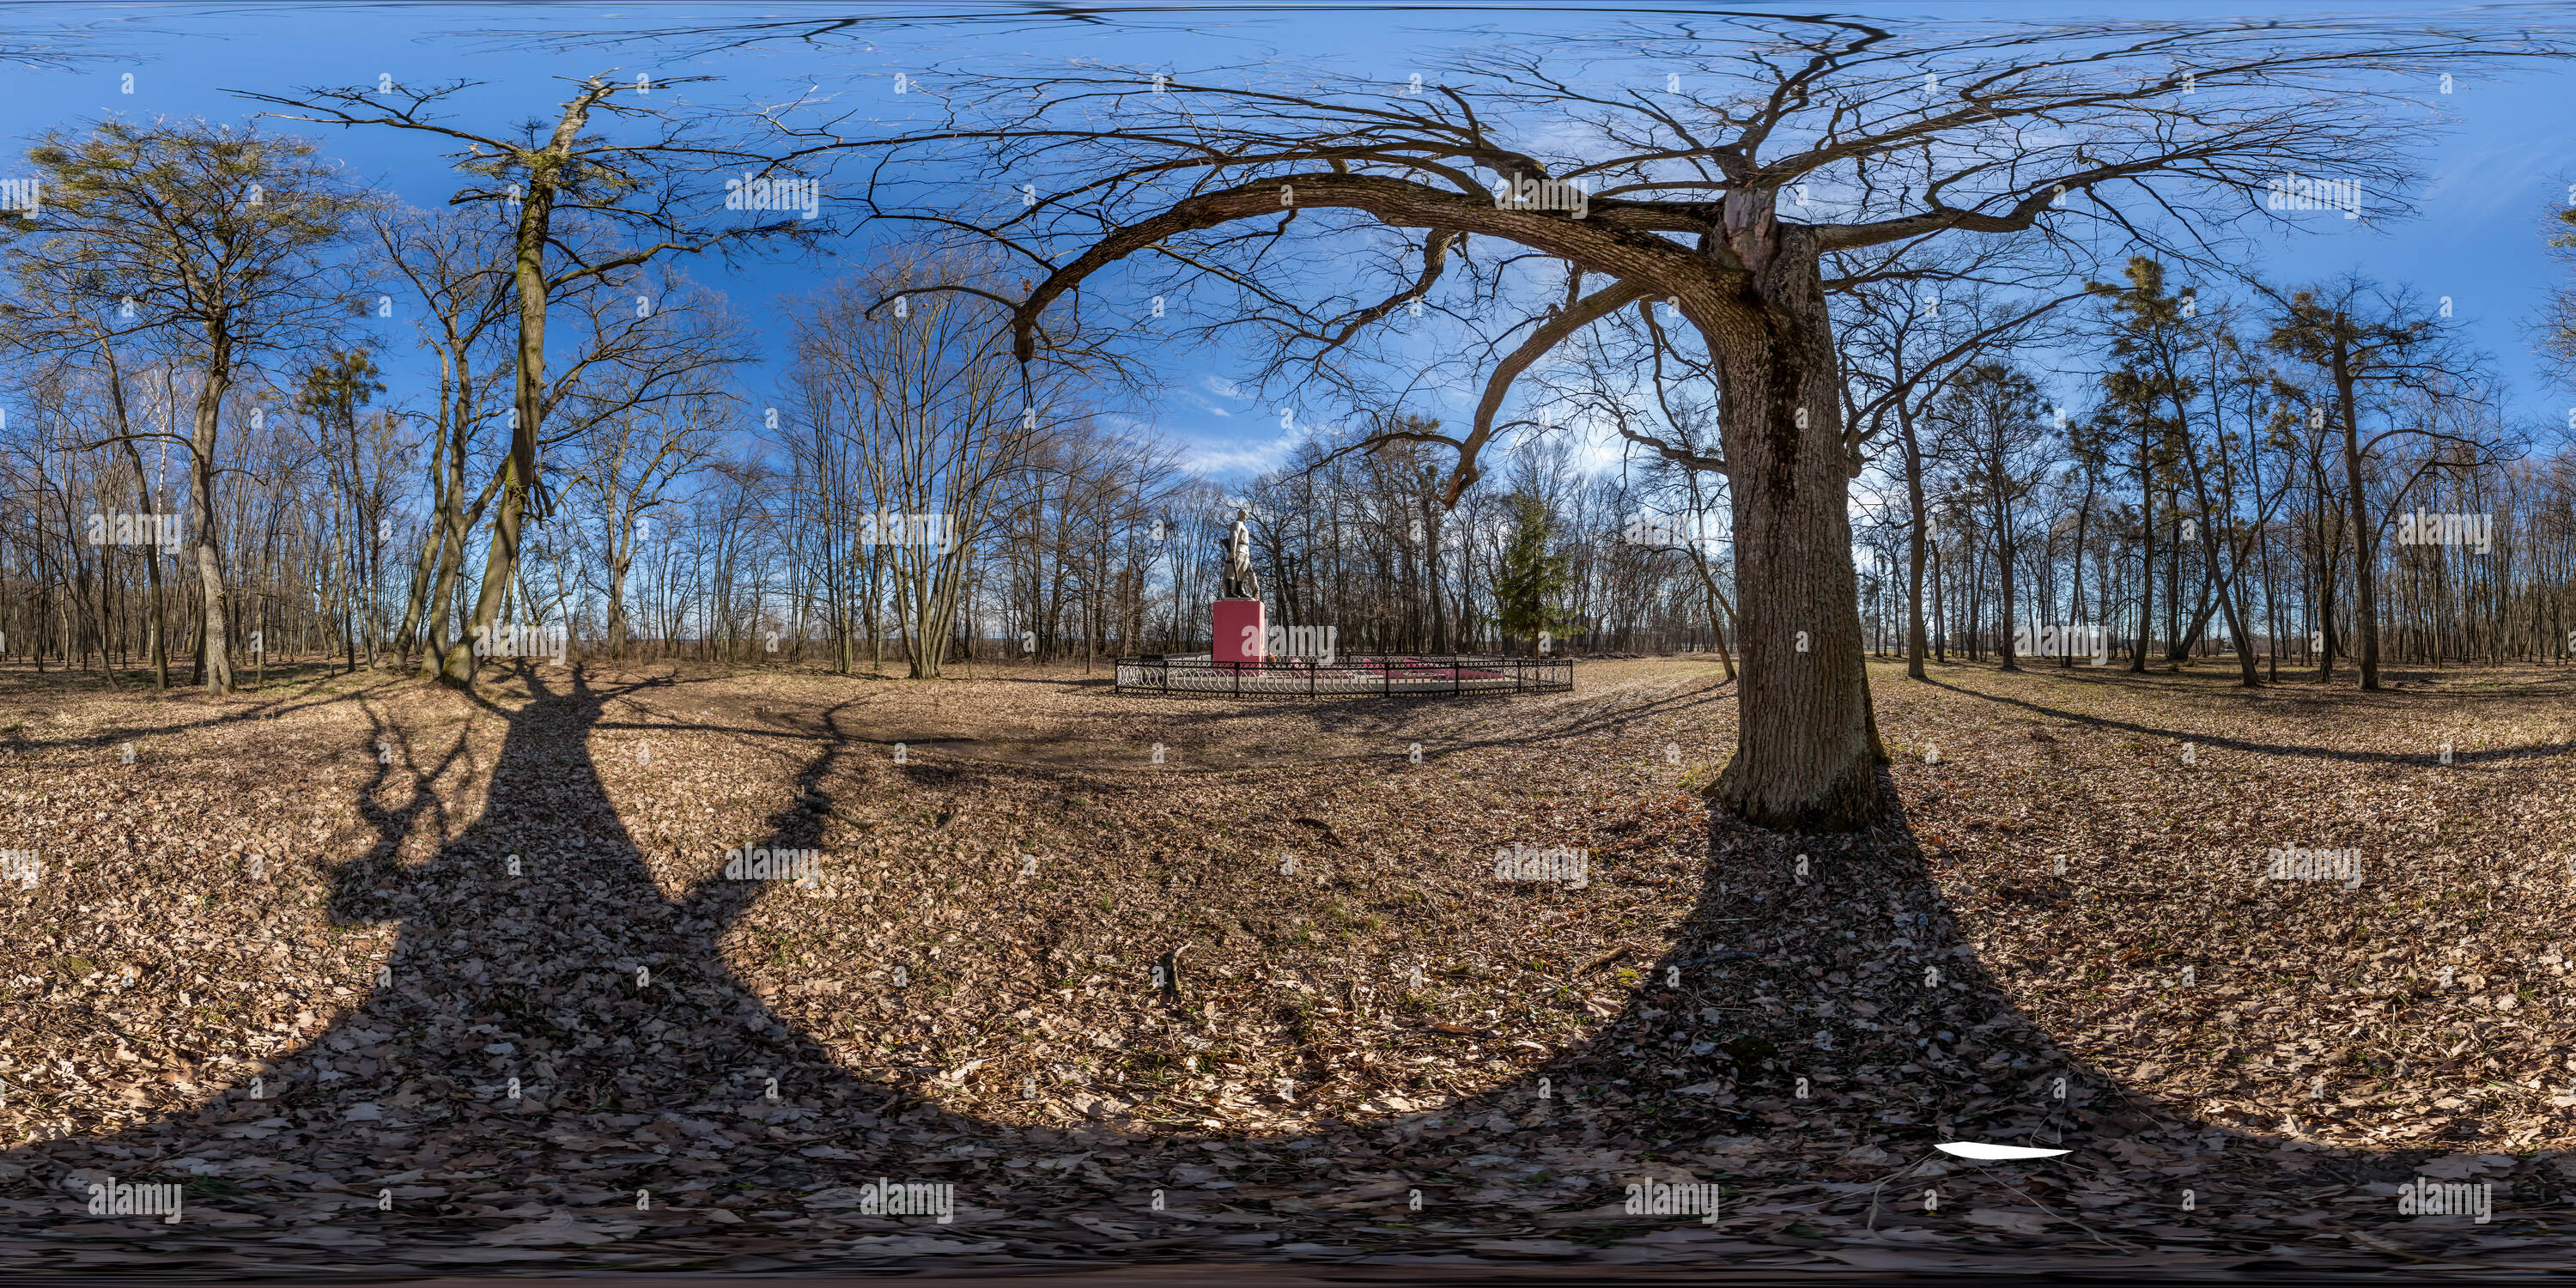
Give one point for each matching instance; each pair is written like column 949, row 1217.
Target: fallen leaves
column 936, row 1009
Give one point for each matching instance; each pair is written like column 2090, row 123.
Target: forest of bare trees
column 1964, row 444
column 2201, row 492
column 683, row 524
column 2190, row 495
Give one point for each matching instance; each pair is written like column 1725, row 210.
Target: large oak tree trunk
column 441, row 658
column 1807, row 752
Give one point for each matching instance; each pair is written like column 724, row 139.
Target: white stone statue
column 1240, row 581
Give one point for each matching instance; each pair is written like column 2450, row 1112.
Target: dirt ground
column 389, row 975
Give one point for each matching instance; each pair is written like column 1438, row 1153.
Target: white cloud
column 2496, row 179
column 1237, row 458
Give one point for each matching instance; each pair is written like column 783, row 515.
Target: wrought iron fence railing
column 1402, row 675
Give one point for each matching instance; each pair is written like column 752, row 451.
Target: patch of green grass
column 204, row 1187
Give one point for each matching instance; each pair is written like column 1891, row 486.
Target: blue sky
column 2492, row 181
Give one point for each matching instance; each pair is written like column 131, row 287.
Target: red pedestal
column 1241, row 626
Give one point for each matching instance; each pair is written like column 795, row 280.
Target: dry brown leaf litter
column 1297, row 869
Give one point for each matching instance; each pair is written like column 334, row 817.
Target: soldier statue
column 1240, row 581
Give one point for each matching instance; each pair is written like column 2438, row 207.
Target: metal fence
column 1410, row 675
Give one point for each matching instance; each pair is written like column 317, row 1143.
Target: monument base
column 1241, row 627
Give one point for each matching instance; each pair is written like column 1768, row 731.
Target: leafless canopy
column 1860, row 134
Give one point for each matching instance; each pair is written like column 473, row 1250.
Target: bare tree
column 658, row 191
column 652, row 420
column 913, row 366
column 1989, row 414
column 211, row 239
column 2366, row 341
column 333, row 391
column 1901, row 342
column 1901, row 136
column 456, row 263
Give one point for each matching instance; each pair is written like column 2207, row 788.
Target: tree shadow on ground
column 552, row 1019
column 540, row 975
column 248, row 706
column 2206, row 738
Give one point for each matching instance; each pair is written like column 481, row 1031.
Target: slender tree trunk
column 2075, row 600
column 159, row 629
column 2365, row 534
column 2146, row 554
column 519, row 469
column 2004, row 575
column 2325, row 579
column 2175, row 644
column 2230, row 578
column 218, row 675
column 1716, row 603
column 518, row 472
column 618, row 562
column 1914, row 641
